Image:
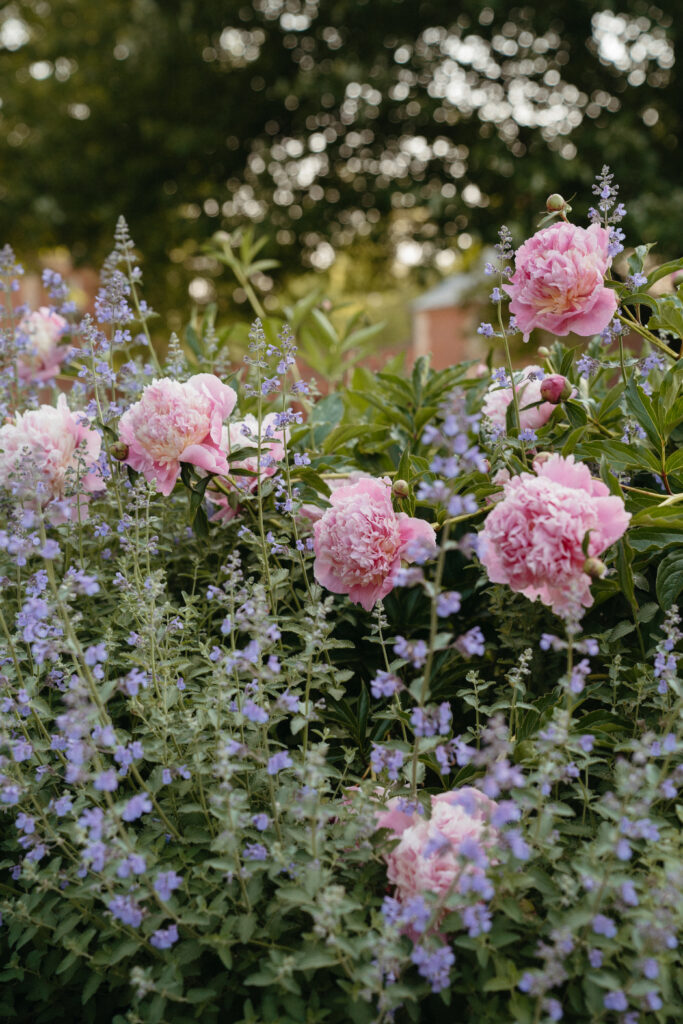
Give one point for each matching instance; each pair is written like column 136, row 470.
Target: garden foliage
column 450, row 775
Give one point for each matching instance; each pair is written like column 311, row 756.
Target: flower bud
column 544, row 351
column 119, row 451
column 555, row 388
column 595, row 568
column 540, row 459
column 400, row 489
column 555, row 203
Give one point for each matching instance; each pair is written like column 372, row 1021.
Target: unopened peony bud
column 401, row 489
column 555, row 388
column 119, row 451
column 544, row 351
column 595, row 568
column 555, row 203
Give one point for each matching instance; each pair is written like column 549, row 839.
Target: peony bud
column 119, row 451
column 555, row 388
column 400, row 489
column 544, row 351
column 595, row 568
column 555, row 203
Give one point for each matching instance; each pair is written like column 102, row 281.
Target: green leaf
column 91, row 986
column 669, row 316
column 325, row 328
column 674, row 464
column 620, row 456
column 636, row 260
column 193, row 341
column 670, row 578
column 625, row 572
column 663, row 271
column 576, row 414
column 642, row 408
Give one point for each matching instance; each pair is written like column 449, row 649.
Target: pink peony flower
column 177, row 422
column 48, row 452
column 531, row 415
column 428, row 857
column 42, row 356
column 309, row 513
column 272, row 452
column 532, row 539
column 360, row 541
column 558, row 283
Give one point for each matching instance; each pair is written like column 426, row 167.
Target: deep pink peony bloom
column 47, row 453
column 272, row 452
column 177, row 422
column 427, row 857
column 42, row 355
column 360, row 541
column 558, row 283
column 528, row 393
column 532, row 539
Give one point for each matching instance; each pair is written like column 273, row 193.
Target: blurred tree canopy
column 414, row 127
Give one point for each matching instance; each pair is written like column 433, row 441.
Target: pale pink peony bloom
column 531, row 415
column 313, row 513
column 360, row 541
column 272, row 452
column 47, row 453
column 177, row 422
column 532, row 539
column 42, row 355
column 428, row 857
column 558, row 283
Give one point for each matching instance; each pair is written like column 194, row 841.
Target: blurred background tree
column 401, row 132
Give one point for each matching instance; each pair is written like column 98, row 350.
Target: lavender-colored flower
column 124, row 908
column 62, row 805
column 166, row 882
column 448, row 603
column 254, row 713
column 587, row 366
column 385, row 684
column 255, row 851
column 107, row 781
column 415, row 914
column 134, row 864
column 628, row 894
column 382, row 757
column 21, row 751
column 486, row 329
column 278, row 761
column 414, row 651
column 137, row 806
column 517, row 844
column 615, row 1000
column 553, row 1008
column 434, row 965
column 650, row 969
column 603, row 925
column 164, row 938
column 260, row 821
column 595, row 957
column 477, row 919
column 471, row 643
column 25, row 823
